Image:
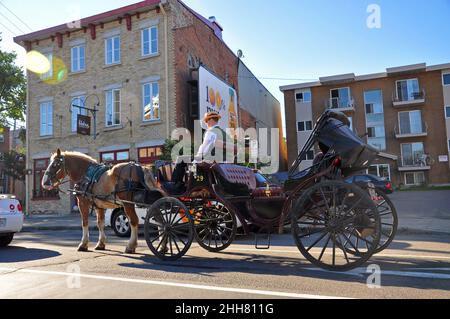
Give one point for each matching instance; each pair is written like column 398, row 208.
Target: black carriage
column 335, row 225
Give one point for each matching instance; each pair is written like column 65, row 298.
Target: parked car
column 382, row 185
column 118, row 220
column 11, row 218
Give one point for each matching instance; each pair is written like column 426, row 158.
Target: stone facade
column 184, row 39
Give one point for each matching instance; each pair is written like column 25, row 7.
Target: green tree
column 14, row 164
column 12, row 89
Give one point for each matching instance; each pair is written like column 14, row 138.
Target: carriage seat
column 237, row 175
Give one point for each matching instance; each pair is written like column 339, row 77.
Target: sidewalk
column 56, row 222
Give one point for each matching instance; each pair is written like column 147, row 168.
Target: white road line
column 174, row 284
column 297, row 251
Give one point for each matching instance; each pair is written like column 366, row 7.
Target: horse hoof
column 130, row 251
column 82, row 249
column 100, row 247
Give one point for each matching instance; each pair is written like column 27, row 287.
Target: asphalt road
column 46, row 265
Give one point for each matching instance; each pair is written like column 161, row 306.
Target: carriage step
column 267, row 239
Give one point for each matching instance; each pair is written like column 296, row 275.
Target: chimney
column 217, row 27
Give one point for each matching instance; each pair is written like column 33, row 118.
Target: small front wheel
column 169, row 229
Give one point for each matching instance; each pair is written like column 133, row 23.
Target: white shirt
column 209, row 141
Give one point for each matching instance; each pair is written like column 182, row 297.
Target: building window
column 150, row 41
column 112, row 108
column 2, row 138
column 309, row 156
column 303, row 97
column 78, row 58
column 148, row 155
column 410, row 122
column 373, row 101
column 449, row 145
column 40, row 166
column 446, row 79
column 49, row 74
column 381, row 170
column 413, row 154
column 340, row 98
column 408, row 90
column 46, row 119
column 304, row 126
column 78, row 101
column 150, row 102
column 115, row 157
column 447, row 112
column 414, row 178
column 112, row 49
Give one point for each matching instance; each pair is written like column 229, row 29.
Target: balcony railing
column 399, row 133
column 420, row 162
column 340, row 104
column 412, row 98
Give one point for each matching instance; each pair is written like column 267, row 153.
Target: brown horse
column 75, row 165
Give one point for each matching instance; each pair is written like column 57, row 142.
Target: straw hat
column 211, row 115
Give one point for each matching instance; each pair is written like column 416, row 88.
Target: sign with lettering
column 443, row 158
column 217, row 96
column 83, row 125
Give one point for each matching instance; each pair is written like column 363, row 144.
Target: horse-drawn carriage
column 335, row 225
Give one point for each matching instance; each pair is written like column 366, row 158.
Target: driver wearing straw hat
column 211, row 119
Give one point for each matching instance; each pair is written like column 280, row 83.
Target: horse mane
column 78, row 155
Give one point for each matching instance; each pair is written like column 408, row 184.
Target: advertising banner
column 217, row 96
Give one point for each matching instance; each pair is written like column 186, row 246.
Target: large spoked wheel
column 169, row 229
column 331, row 216
column 215, row 226
column 388, row 220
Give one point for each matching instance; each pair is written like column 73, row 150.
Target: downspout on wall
column 166, row 61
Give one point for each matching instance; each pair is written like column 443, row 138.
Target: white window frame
column 112, row 91
column 151, row 40
column 405, row 80
column 445, row 111
column 114, row 58
column 48, row 130
column 305, row 130
column 48, row 75
column 443, row 74
column 75, row 111
column 401, row 149
column 78, row 49
column 378, row 169
column 414, row 174
column 350, row 99
column 409, row 113
column 151, row 97
column 303, row 100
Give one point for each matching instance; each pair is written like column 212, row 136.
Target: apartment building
column 138, row 67
column 403, row 112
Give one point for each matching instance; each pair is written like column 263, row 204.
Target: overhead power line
column 23, row 22
column 8, row 29
column 15, row 25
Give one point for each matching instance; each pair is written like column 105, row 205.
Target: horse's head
column 56, row 171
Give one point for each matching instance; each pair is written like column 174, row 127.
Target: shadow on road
column 250, row 263
column 13, row 254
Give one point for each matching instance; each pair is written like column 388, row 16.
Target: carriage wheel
column 215, row 226
column 388, row 220
column 169, row 229
column 330, row 214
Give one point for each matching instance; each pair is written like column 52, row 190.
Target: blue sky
column 299, row 40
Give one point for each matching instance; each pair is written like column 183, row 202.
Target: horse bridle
column 59, row 164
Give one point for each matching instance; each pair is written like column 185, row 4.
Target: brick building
column 120, row 61
column 404, row 112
